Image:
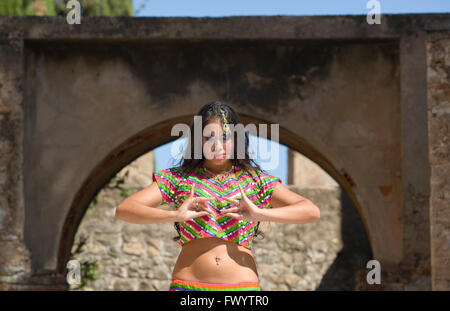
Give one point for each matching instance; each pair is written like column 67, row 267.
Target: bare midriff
column 214, row 260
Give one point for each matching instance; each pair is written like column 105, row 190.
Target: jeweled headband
column 226, row 126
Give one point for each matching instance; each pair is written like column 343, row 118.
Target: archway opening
column 333, row 255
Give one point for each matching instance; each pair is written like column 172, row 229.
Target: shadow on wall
column 355, row 252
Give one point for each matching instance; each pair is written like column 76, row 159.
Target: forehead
column 214, row 125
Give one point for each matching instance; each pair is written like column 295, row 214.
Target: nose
column 218, row 145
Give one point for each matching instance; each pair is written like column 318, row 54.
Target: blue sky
column 203, row 8
column 274, row 161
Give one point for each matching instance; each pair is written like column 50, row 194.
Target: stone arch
column 159, row 134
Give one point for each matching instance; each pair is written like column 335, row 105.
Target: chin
column 219, row 161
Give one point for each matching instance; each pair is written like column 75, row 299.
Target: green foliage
column 141, row 7
column 12, row 7
column 117, row 182
column 89, row 268
column 80, row 245
column 50, row 9
column 125, row 192
column 58, row 7
column 27, row 7
column 98, row 7
column 94, row 201
column 89, row 272
column 91, row 211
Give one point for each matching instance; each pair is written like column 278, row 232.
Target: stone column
column 438, row 56
column 414, row 267
column 15, row 260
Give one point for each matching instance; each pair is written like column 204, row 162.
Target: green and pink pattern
column 175, row 185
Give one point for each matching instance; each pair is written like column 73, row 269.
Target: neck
column 217, row 169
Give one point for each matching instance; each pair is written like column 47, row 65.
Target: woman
column 220, row 200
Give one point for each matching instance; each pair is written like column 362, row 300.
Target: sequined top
column 175, row 186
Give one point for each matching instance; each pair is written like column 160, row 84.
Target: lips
column 219, row 156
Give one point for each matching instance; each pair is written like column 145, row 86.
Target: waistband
column 183, row 285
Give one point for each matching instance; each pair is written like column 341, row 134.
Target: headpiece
column 226, row 126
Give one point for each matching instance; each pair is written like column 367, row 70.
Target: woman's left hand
column 245, row 209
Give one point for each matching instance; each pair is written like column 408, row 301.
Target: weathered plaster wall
column 85, row 99
column 438, row 56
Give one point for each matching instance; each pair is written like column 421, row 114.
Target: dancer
column 220, row 200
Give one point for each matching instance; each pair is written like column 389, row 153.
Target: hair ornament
column 226, row 126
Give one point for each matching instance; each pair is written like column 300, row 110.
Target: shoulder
column 260, row 175
column 262, row 178
column 171, row 170
column 173, row 173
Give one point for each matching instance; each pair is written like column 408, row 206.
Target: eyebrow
column 223, row 134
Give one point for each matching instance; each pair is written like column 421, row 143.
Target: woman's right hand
column 189, row 209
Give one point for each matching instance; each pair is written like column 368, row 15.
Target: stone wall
column 307, row 174
column 438, row 58
column 15, row 263
column 288, row 257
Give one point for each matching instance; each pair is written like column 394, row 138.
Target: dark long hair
column 210, row 111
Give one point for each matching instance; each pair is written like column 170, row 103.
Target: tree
column 58, row 7
column 27, row 7
column 99, row 7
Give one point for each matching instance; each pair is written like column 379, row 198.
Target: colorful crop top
column 175, row 185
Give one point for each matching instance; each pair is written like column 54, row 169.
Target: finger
column 200, row 214
column 230, row 210
column 242, row 191
column 205, row 213
column 204, row 199
column 235, row 216
column 231, row 200
column 200, row 200
column 192, row 190
column 244, row 196
column 206, row 207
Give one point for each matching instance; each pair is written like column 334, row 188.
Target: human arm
column 287, row 207
column 140, row 208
